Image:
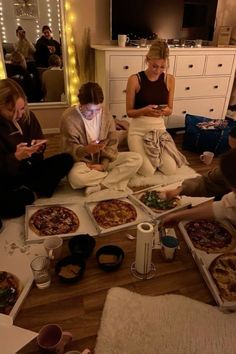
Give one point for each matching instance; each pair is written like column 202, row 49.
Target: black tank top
column 151, row 92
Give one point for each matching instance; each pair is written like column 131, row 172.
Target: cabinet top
column 175, row 50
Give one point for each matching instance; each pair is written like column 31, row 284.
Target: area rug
column 166, row 324
column 158, row 178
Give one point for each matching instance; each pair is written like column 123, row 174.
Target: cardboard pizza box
column 184, row 201
column 204, row 260
column 142, row 216
column 85, row 225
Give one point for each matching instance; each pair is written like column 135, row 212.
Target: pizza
column 223, row 271
column 153, row 201
column 9, row 291
column 114, row 212
column 210, row 236
column 54, row 220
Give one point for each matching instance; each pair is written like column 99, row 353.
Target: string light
column 3, row 29
column 73, row 77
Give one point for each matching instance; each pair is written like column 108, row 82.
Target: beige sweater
column 74, row 138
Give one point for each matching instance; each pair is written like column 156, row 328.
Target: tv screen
column 187, row 19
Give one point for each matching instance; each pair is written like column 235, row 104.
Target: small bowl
column 70, row 269
column 110, row 257
column 82, row 245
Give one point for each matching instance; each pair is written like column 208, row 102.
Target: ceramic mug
column 207, row 157
column 122, row 40
column 53, row 339
column 53, row 246
column 169, row 245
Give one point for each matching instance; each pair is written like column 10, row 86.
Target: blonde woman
column 24, row 173
column 149, row 98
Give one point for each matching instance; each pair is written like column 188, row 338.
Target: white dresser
column 203, row 79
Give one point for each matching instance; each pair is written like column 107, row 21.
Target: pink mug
column 207, row 157
column 52, row 338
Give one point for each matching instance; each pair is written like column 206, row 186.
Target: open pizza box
column 182, row 203
column 142, row 216
column 85, row 225
column 204, row 260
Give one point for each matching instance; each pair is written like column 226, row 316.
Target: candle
column 144, row 243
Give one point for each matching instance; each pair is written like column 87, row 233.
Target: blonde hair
column 10, row 92
column 18, row 58
column 159, row 50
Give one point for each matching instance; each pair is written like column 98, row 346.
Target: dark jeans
column 42, row 179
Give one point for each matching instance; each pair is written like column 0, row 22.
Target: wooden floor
column 78, row 307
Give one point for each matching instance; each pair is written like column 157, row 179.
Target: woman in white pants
column 89, row 135
column 149, row 98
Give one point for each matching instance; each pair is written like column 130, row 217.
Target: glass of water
column 41, row 270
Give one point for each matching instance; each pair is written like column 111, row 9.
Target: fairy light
column 17, row 21
column 72, row 73
column 37, row 30
column 3, row 28
column 59, row 15
column 49, row 14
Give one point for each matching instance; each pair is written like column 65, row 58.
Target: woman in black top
column 149, row 99
column 45, row 46
column 24, row 173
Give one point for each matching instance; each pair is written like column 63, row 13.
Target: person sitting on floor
column 89, row 134
column 53, row 80
column 149, row 99
column 222, row 209
column 24, row 173
column 211, row 184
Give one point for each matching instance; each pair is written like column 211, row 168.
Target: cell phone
column 162, row 106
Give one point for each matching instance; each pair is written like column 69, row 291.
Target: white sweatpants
column 137, row 129
column 116, row 177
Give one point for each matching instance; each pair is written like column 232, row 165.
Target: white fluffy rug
column 158, row 178
column 166, row 324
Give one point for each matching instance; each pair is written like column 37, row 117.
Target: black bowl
column 70, row 269
column 110, row 257
column 82, row 245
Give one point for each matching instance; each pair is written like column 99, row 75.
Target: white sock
column 92, row 189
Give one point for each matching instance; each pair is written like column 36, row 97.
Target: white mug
column 53, row 246
column 207, row 157
column 122, row 40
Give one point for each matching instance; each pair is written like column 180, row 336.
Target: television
column 167, row 19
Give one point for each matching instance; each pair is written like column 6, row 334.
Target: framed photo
column 26, row 9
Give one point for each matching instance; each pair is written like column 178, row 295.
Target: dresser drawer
column 118, row 110
column 200, row 87
column 117, row 90
column 211, row 108
column 189, row 65
column 125, row 65
column 219, row 64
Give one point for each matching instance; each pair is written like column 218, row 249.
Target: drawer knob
column 126, row 67
column 220, row 65
column 187, row 88
column 216, row 87
column 184, row 112
column 124, row 91
column 211, row 109
column 113, row 115
column 190, row 66
column 124, row 116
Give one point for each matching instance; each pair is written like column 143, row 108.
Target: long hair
column 10, row 91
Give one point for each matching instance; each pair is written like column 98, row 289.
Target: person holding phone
column 24, row 173
column 149, row 98
column 89, row 135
